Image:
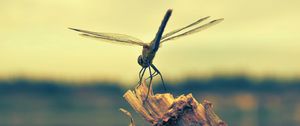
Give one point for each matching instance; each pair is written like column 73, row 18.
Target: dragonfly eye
column 140, row 60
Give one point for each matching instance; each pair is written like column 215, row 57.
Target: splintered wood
column 165, row 110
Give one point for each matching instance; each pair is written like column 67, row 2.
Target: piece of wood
column 165, row 110
column 129, row 115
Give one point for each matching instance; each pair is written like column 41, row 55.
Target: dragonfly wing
column 180, row 29
column 195, row 30
column 111, row 37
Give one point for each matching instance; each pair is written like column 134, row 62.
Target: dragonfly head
column 140, row 60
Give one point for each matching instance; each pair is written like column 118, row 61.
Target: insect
column 150, row 49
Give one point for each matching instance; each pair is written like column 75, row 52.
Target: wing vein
column 183, row 28
column 111, row 37
column 195, row 30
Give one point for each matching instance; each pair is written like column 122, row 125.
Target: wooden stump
column 165, row 110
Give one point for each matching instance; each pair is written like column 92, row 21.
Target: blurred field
column 239, row 101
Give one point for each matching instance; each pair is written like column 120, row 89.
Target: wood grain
column 165, row 110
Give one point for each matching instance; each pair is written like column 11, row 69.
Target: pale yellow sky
column 258, row 37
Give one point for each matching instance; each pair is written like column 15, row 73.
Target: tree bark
column 165, row 110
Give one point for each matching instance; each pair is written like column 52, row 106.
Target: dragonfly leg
column 158, row 72
column 150, row 83
column 153, row 75
column 141, row 75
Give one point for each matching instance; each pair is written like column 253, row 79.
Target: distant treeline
column 215, row 84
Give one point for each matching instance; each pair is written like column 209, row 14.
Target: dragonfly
column 145, row 60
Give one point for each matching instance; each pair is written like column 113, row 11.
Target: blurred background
column 248, row 65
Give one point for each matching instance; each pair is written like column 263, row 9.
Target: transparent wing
column 195, row 30
column 111, row 37
column 180, row 29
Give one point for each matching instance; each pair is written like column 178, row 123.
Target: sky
column 257, row 38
